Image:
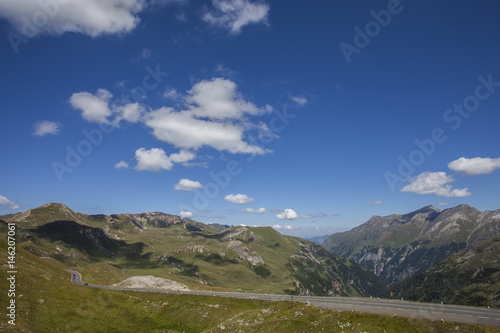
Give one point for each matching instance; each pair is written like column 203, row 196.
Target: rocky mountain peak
column 398, row 246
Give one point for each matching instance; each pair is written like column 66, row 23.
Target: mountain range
column 469, row 277
column 398, row 246
column 108, row 249
column 427, row 255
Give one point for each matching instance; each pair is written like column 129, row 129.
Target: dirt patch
column 151, row 282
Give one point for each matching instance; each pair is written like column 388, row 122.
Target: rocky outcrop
column 398, row 246
column 156, row 220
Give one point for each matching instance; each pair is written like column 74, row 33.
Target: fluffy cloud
column 254, row 211
column 187, row 185
column 290, row 214
column 376, row 203
column 156, row 159
column 214, row 116
column 89, row 17
column 121, row 165
column 6, row 202
column 182, row 157
column 98, row 108
column 233, row 15
column 218, row 99
column 186, row 214
column 239, row 199
column 287, row 214
column 475, row 166
column 46, row 127
column 131, row 112
column 183, row 130
column 434, row 183
column 94, row 107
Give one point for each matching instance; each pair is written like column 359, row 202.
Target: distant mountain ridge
column 109, row 248
column 400, row 245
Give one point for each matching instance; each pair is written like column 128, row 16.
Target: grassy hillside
column 48, row 302
column 108, row 249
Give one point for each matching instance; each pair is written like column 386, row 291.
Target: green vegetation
column 108, row 249
column 48, row 302
column 470, row 277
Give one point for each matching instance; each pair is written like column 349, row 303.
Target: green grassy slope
column 108, row 249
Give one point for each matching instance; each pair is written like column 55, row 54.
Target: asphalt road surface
column 455, row 313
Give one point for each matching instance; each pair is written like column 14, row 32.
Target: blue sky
column 309, row 117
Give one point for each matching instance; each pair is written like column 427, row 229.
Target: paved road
column 461, row 314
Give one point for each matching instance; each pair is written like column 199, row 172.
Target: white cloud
column 98, row 108
column 376, row 203
column 239, row 199
column 187, row 185
column 156, row 159
column 186, row 214
column 287, row 214
column 131, row 112
column 282, row 227
column 434, row 183
column 215, row 115
column 121, row 165
column 233, row 15
column 475, row 166
column 6, row 202
column 184, row 130
column 290, row 214
column 89, row 17
column 299, row 100
column 218, row 99
column 45, row 127
column 94, row 107
column 182, row 157
column 254, row 211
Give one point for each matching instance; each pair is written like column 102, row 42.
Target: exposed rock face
column 397, row 246
column 239, row 247
column 157, row 220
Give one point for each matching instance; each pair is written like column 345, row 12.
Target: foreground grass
column 48, row 302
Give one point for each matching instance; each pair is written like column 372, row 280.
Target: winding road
column 455, row 313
